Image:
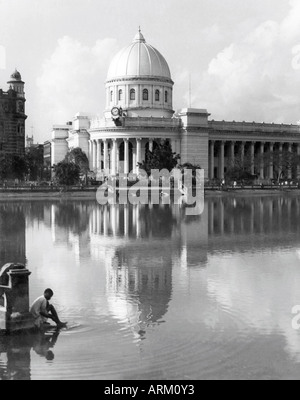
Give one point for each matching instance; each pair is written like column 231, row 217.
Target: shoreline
column 91, row 194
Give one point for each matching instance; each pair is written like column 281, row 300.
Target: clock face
column 115, row 111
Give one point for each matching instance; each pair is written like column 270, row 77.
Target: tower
column 17, row 84
column 12, row 116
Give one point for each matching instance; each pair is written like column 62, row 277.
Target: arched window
column 132, row 94
column 145, row 94
column 166, row 96
column 156, row 95
column 111, row 95
column 120, row 94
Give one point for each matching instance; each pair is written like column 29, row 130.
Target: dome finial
column 139, row 37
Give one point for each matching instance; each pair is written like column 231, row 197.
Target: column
column 232, row 147
column 242, row 152
column 90, row 154
column 126, row 156
column 118, row 158
column 280, row 158
column 271, row 166
column 114, row 157
column 290, row 169
column 99, row 148
column 221, row 161
column 105, row 154
column 138, row 152
column 94, row 155
column 262, row 166
column 134, row 160
column 252, row 157
column 151, row 145
column 212, row 159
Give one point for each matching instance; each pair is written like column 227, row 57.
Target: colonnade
column 222, row 151
column 104, row 154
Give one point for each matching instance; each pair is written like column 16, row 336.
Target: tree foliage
column 67, row 173
column 12, row 166
column 34, row 158
column 240, row 168
column 78, row 157
column 162, row 157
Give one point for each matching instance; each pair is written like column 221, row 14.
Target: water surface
column 154, row 294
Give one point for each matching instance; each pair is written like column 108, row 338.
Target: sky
column 242, row 57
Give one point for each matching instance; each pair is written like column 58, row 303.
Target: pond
column 151, row 293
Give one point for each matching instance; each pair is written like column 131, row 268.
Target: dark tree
column 78, row 157
column 162, row 157
column 67, row 173
column 35, row 162
column 12, row 166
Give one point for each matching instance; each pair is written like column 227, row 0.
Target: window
column 111, row 96
column 166, row 96
column 156, row 95
column 132, row 94
column 120, row 94
column 145, row 94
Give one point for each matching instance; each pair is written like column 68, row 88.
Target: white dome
column 139, row 59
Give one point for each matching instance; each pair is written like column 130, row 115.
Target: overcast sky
column 243, row 56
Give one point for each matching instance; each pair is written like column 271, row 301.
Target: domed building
column 139, row 114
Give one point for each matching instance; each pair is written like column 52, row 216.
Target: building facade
column 12, row 117
column 139, row 114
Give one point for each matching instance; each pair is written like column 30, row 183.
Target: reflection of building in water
column 12, row 234
column 244, row 220
column 70, row 225
column 194, row 240
column 140, row 245
column 139, row 273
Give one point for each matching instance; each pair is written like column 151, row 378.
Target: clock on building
column 115, row 112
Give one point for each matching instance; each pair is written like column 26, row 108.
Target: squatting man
column 42, row 310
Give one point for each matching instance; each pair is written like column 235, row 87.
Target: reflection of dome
column 139, row 59
column 16, row 76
